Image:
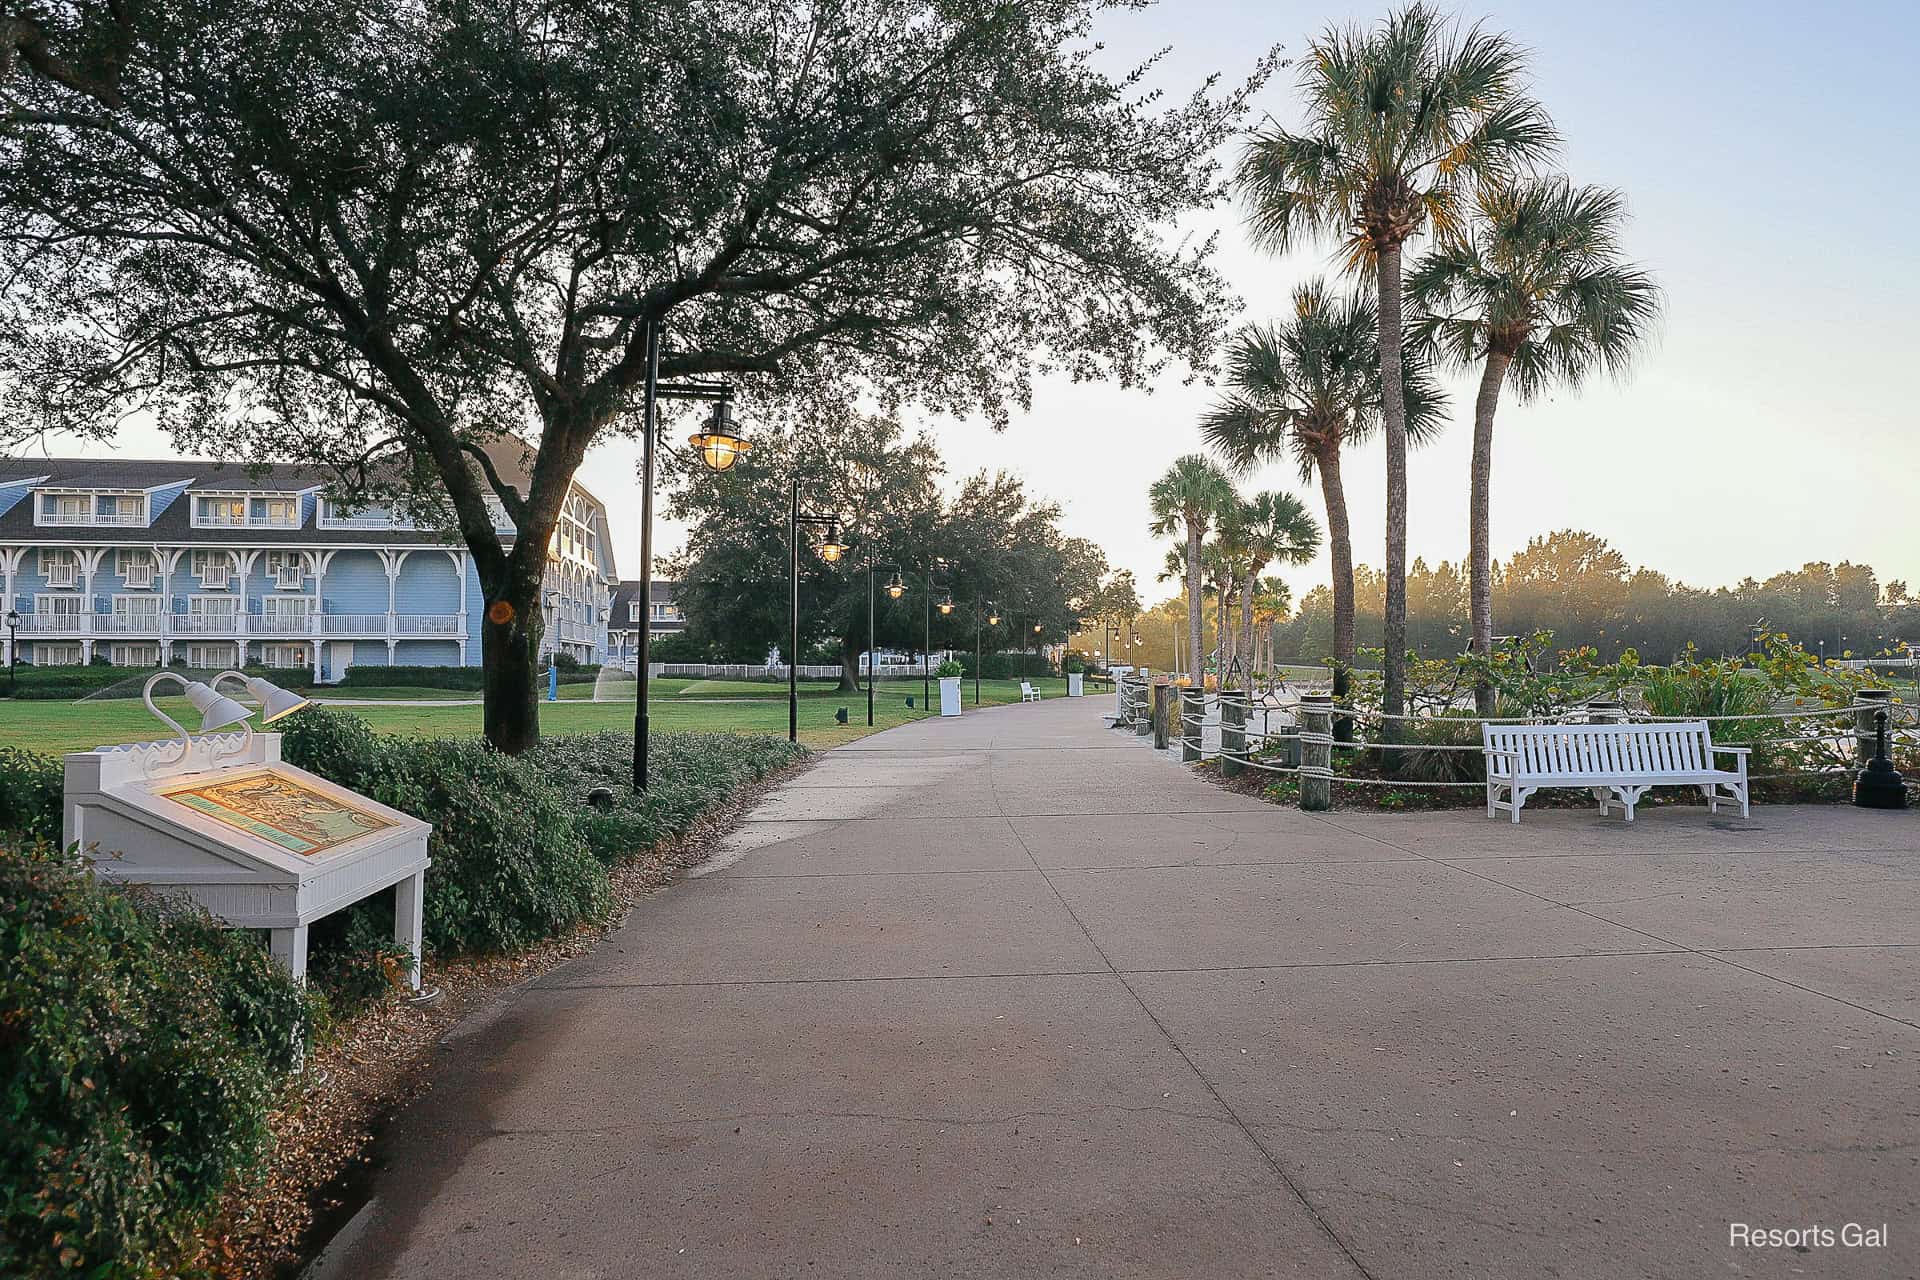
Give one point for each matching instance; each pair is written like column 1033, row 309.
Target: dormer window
column 245, row 511
column 219, row 513
column 88, row 507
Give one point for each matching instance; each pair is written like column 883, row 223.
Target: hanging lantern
column 720, row 446
column 897, row 587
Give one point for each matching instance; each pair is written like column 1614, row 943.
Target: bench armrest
column 1735, row 751
column 1507, row 752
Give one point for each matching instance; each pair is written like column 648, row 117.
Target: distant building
column 148, row 563
column 662, row 617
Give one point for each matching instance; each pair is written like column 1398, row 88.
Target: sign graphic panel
column 280, row 810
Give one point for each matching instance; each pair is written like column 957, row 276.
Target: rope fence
column 1303, row 745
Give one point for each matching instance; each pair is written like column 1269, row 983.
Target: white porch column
column 322, row 560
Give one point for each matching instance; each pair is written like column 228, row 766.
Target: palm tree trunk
column 1340, row 550
column 1480, row 536
column 1246, row 628
column 1220, row 644
column 1195, row 627
column 1393, row 413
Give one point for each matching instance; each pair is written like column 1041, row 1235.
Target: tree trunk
column 1246, row 628
column 1220, row 646
column 1195, row 625
column 510, row 654
column 1480, row 536
column 850, row 664
column 1393, row 413
column 1340, row 550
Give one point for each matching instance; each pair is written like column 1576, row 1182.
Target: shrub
column 948, row 668
column 688, row 774
column 31, row 789
column 144, row 1045
column 510, row 864
column 464, row 679
column 1451, row 729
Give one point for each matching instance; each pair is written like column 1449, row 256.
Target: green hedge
column 465, row 679
column 141, row 1047
column 518, row 854
column 31, row 787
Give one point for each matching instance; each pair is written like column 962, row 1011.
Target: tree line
column 1573, row 584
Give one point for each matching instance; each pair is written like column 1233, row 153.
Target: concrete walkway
column 1011, row 996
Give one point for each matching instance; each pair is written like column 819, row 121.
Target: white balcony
column 52, row 623
column 206, row 624
column 295, row 624
column 213, row 521
column 91, row 519
column 128, row 624
column 428, row 624
column 353, row 624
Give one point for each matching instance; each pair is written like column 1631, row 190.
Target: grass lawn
column 57, row 727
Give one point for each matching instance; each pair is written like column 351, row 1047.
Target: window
column 136, row 655
column 224, row 607
column 65, row 610
column 120, row 510
column 213, row 568
column 212, row 655
column 288, row 569
column 282, row 511
column 219, row 513
column 136, row 568
column 65, row 508
column 286, row 655
column 56, row 655
column 136, row 613
column 60, row 568
column 633, row 611
column 286, row 615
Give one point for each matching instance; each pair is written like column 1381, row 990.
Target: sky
column 1771, row 163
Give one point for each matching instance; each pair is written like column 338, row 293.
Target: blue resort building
column 145, row 563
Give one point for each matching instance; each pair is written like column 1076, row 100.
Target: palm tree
column 1276, row 529
column 1402, row 121
column 1186, row 501
column 1272, row 600
column 1307, row 389
column 1538, row 294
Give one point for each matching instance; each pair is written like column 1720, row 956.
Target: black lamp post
column 719, row 447
column 993, row 620
column 13, row 652
column 831, row 549
column 926, row 653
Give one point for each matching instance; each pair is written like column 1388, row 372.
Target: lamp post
column 993, row 620
column 926, row 651
column 831, row 549
column 873, row 665
column 719, row 447
column 13, row 652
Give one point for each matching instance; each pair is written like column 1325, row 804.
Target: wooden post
column 1316, row 751
column 1606, row 711
column 1233, row 732
column 1162, row 715
column 1866, row 703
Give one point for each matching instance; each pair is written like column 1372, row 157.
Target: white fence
column 737, row 670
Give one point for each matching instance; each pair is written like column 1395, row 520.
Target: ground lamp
column 718, row 448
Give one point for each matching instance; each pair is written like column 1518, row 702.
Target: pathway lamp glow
column 897, row 587
column 720, row 445
column 830, row 547
column 946, row 605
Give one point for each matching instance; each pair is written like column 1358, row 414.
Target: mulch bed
column 374, row 1065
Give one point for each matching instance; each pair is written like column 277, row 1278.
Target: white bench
column 1619, row 763
column 1028, row 693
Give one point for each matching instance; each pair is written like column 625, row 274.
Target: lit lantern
column 720, row 446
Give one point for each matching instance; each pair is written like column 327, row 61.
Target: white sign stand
column 258, row 843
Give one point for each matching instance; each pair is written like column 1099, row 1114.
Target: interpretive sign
column 259, row 843
column 279, row 809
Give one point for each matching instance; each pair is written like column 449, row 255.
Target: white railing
column 246, row 522
column 353, row 624
column 127, row 624
column 298, row 624
column 736, row 670
column 206, row 624
column 59, row 623
column 90, row 519
column 428, row 624
column 327, row 521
